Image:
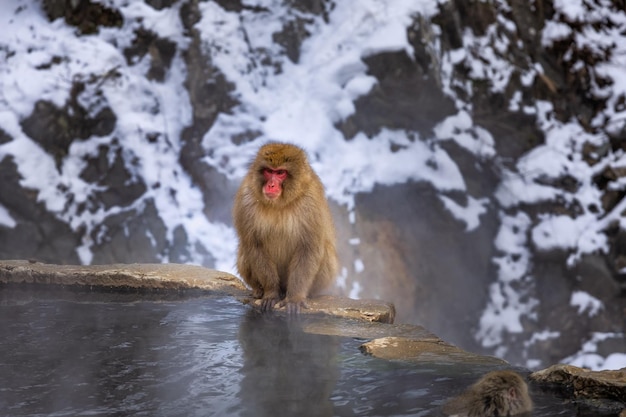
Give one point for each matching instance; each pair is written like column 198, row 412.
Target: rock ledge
column 176, row 277
column 584, row 384
column 138, row 276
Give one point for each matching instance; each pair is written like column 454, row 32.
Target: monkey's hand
column 293, row 306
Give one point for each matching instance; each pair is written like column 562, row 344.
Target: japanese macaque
column 496, row 394
column 286, row 235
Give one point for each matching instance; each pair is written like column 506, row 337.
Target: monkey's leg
column 261, row 274
column 267, row 275
column 245, row 270
column 301, row 274
column 257, row 290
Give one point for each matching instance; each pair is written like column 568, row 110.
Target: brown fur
column 286, row 245
column 496, row 394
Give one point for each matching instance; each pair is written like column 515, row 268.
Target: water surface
column 96, row 354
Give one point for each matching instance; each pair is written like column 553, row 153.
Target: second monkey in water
column 286, row 234
column 497, row 394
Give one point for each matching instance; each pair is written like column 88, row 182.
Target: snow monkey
column 496, row 394
column 286, row 233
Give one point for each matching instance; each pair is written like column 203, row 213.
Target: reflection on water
column 125, row 354
column 132, row 358
column 286, row 371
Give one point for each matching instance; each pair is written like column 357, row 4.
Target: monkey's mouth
column 271, row 196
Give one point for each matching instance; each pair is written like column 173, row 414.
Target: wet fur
column 497, row 394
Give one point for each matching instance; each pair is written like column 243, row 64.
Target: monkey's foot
column 293, row 307
column 268, row 303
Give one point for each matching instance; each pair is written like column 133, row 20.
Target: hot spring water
column 102, row 354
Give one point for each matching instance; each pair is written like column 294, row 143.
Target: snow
column 320, row 91
column 6, row 220
column 355, row 291
column 588, row 357
column 302, row 102
column 508, row 302
column 555, row 31
column 470, row 215
column 586, row 303
column 461, row 129
column 573, row 10
column 358, row 266
column 512, row 241
column 554, row 232
column 535, row 178
column 131, row 96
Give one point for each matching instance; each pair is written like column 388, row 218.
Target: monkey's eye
column 281, row 174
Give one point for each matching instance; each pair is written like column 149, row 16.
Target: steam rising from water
column 106, row 354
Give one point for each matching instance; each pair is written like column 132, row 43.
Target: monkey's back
column 496, row 394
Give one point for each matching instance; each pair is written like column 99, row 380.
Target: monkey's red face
column 273, row 186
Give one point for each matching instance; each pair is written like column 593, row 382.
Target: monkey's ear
column 513, row 393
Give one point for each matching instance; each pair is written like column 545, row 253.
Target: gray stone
column 138, row 276
column 368, row 310
column 584, row 384
column 425, row 350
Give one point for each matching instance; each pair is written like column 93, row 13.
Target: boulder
column 599, row 389
column 122, row 276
